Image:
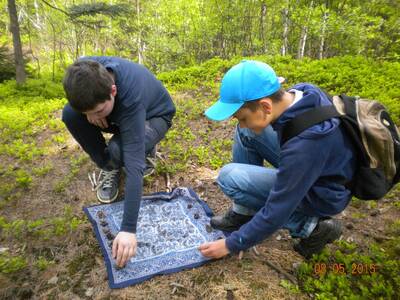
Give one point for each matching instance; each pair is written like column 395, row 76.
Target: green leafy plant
column 349, row 274
column 23, row 179
column 11, row 264
column 42, row 263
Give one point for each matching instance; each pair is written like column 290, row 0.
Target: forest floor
column 52, row 250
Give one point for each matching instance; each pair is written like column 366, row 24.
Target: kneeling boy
column 306, row 187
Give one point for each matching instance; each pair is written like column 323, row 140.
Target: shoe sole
column 107, row 201
column 222, row 228
column 148, row 174
column 230, row 229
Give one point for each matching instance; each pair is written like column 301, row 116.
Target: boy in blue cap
column 306, row 187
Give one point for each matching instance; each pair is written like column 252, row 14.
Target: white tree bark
column 139, row 37
column 322, row 41
column 304, row 32
column 285, row 29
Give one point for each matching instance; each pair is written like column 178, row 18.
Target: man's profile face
column 256, row 121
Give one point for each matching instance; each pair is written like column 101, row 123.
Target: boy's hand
column 124, row 247
column 215, row 249
column 100, row 122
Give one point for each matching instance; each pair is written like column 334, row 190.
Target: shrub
column 10, row 264
column 7, row 69
column 349, row 274
column 358, row 75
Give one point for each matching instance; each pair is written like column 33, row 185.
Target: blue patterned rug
column 170, row 228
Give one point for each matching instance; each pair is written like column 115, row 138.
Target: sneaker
column 150, row 167
column 106, row 185
column 150, row 162
column 326, row 232
column 230, row 221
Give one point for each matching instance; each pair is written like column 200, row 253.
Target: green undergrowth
column 26, row 113
column 357, row 75
column 40, row 233
column 11, row 264
column 192, row 138
column 76, row 163
column 196, row 88
column 351, row 273
column 42, row 229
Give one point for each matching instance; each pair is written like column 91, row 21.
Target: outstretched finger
column 114, row 249
column 120, row 254
column 204, row 246
column 125, row 257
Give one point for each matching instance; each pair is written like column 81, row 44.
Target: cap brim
column 220, row 111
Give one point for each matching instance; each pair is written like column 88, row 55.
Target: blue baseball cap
column 249, row 80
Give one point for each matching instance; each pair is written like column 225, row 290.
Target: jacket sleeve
column 301, row 164
column 132, row 130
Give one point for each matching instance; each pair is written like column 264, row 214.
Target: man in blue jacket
column 306, row 187
column 114, row 95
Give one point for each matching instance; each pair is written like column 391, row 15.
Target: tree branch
column 56, row 8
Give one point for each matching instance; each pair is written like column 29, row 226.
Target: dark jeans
column 91, row 138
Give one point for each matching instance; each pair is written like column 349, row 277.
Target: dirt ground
column 79, row 272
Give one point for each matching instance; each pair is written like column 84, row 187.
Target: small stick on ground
column 178, row 285
column 166, row 175
column 288, row 276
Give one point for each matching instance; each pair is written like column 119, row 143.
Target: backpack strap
column 307, row 119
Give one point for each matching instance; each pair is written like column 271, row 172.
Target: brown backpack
column 374, row 134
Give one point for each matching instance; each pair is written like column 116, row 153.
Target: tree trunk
column 77, row 42
column 53, row 64
column 322, row 41
column 304, row 33
column 14, row 28
column 263, row 13
column 285, row 14
column 247, row 38
column 36, row 5
column 302, row 42
column 139, row 38
column 31, row 50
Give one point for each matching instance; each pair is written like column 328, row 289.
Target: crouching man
column 306, row 187
column 114, row 95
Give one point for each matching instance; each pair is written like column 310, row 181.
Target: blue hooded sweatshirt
column 313, row 166
column 140, row 97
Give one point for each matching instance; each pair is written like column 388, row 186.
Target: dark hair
column 87, row 84
column 275, row 97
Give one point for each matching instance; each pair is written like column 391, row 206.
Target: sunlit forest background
column 167, row 34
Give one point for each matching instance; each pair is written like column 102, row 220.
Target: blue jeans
column 248, row 183
column 91, row 139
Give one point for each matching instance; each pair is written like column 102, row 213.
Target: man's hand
column 124, row 247
column 215, row 249
column 100, row 122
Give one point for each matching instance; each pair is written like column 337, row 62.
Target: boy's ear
column 266, row 105
column 113, row 90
